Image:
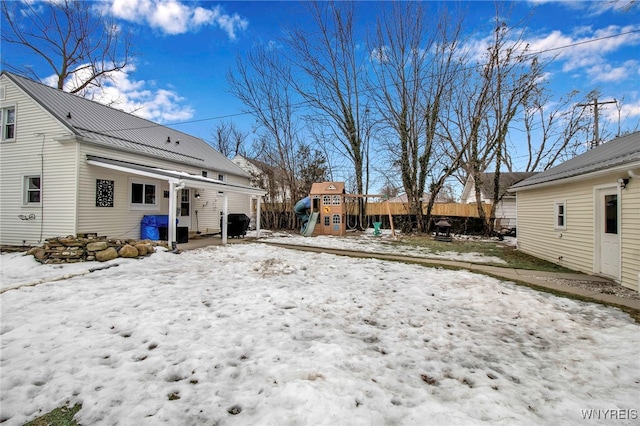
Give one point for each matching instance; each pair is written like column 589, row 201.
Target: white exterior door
column 184, row 208
column 608, row 228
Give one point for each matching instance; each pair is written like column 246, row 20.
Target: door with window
column 184, row 208
column 608, row 229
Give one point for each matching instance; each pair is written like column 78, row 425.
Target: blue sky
column 185, row 49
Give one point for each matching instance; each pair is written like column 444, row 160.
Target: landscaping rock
column 128, row 251
column 142, row 249
column 89, row 247
column 97, row 246
column 105, row 255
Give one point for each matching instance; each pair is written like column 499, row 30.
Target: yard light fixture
column 197, row 195
column 623, row 182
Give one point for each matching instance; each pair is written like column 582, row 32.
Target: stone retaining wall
column 90, row 248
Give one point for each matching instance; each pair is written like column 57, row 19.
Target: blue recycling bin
column 154, row 227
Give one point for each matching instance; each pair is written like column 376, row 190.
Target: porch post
column 258, row 216
column 171, row 226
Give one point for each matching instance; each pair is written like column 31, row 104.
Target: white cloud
column 133, row 96
column 607, row 73
column 175, row 17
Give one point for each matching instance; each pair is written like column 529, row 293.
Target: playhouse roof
column 327, row 188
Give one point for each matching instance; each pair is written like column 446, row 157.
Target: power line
column 302, row 103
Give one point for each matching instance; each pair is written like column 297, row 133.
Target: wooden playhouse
column 327, row 198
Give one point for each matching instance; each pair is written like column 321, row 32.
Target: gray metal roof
column 506, row 180
column 617, row 152
column 114, row 128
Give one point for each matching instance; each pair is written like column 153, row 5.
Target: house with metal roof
column 585, row 213
column 73, row 166
column 505, row 213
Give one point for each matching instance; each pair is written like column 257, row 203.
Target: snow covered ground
column 261, row 335
column 367, row 242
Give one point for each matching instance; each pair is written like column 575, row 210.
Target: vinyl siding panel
column 571, row 247
column 124, row 222
column 630, row 249
column 574, row 247
column 30, row 154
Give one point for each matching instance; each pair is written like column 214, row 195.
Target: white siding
column 121, row 221
column 29, row 154
column 506, row 212
column 631, row 235
column 573, row 247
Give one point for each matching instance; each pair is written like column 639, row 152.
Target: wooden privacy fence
column 401, row 209
column 439, row 209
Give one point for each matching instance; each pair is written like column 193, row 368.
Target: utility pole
column 596, row 137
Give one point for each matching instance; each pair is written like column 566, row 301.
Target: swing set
column 352, row 210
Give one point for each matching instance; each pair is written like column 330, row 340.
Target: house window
column 560, row 215
column 33, row 190
column 8, row 123
column 143, row 195
column 335, row 200
column 205, row 173
column 221, row 177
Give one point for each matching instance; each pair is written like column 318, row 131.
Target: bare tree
column 416, row 66
column 495, row 91
column 261, row 82
column 331, row 82
column 555, row 132
column 80, row 47
column 229, row 140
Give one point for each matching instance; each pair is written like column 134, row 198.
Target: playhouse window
column 327, row 220
column 8, row 123
column 336, row 219
column 326, row 200
column 33, row 189
column 335, row 200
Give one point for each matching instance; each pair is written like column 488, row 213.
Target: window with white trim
column 9, row 123
column 32, row 190
column 560, row 214
column 143, row 195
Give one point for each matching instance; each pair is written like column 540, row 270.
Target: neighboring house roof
column 619, row 152
column 106, row 126
column 506, row 180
